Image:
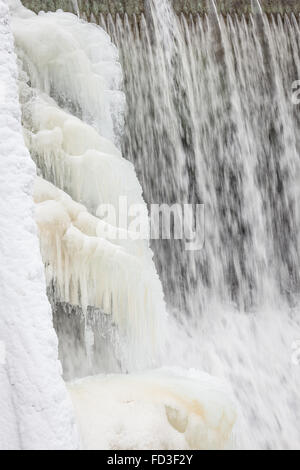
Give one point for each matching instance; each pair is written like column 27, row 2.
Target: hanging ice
column 89, row 261
column 74, row 157
column 89, row 268
column 79, row 66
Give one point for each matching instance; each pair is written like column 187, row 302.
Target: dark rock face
column 96, row 8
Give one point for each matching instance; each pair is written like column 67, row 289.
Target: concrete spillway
column 95, row 8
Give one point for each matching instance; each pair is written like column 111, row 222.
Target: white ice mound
column 163, row 409
column 90, row 265
column 74, row 62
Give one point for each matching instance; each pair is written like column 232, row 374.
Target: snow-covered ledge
column 35, row 410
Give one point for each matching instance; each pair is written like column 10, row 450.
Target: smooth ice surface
column 35, row 410
column 162, row 409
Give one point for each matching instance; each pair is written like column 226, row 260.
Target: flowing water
column 210, row 110
column 210, row 119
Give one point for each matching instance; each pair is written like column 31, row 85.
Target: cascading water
column 212, row 109
column 209, row 120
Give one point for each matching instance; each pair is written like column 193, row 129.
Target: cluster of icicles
column 73, row 138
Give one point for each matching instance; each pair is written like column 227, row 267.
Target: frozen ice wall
column 73, row 106
column 35, row 412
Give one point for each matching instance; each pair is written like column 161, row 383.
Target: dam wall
column 95, row 8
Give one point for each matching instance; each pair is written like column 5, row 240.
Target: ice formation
column 92, row 259
column 91, row 266
column 163, row 409
column 74, row 157
column 78, row 66
column 35, row 410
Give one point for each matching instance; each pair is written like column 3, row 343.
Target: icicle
column 88, row 269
